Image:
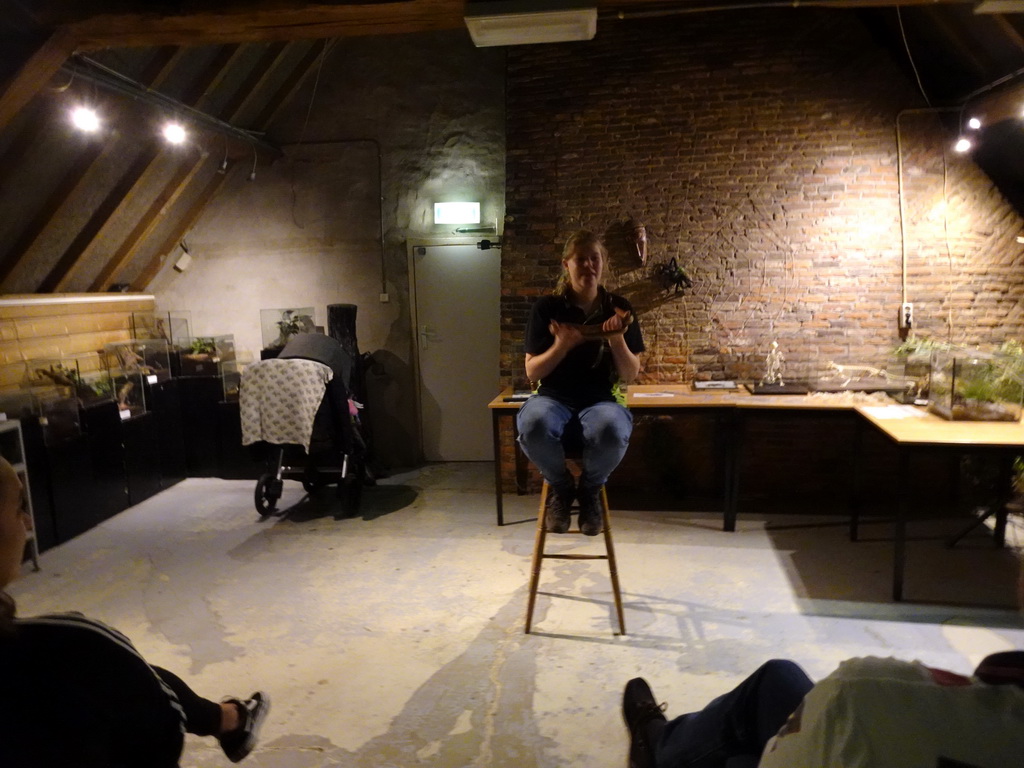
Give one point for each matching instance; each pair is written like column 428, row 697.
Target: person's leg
column 541, row 421
column 202, row 716
column 737, row 723
column 234, row 722
column 606, row 429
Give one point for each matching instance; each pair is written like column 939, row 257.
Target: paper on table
column 651, row 394
column 894, row 412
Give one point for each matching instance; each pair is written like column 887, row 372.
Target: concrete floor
column 394, row 638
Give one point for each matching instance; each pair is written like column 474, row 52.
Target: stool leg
column 538, row 552
column 612, row 569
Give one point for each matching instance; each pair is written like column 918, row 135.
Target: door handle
column 427, row 335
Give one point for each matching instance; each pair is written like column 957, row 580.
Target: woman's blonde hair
column 577, row 241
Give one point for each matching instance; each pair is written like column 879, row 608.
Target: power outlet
column 906, row 315
column 384, row 298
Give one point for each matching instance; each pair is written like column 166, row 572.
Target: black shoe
column 240, row 742
column 590, row 510
column 557, row 515
column 645, row 719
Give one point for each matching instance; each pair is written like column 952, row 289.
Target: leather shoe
column 557, row 515
column 590, row 510
column 645, row 720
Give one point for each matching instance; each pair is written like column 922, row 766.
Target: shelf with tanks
column 61, row 387
column 277, row 326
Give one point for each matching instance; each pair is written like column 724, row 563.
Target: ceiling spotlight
column 174, row 133
column 962, row 145
column 974, row 123
column 85, row 119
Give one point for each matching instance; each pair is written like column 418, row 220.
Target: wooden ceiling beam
column 222, row 63
column 19, row 250
column 289, row 87
column 120, row 196
column 149, row 221
column 35, row 73
column 256, row 22
column 188, row 218
column 249, row 89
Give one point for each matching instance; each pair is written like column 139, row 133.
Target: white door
column 457, row 332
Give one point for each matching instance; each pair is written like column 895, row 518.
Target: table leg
column 732, row 468
column 856, row 502
column 900, row 528
column 496, row 432
column 520, row 458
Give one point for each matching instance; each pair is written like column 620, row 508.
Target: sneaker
column 590, row 510
column 557, row 515
column 645, row 719
column 240, row 742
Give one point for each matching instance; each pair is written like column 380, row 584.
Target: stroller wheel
column 268, row 491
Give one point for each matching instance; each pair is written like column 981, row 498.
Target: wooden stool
column 539, row 555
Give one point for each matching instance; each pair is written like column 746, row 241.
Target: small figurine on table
column 773, row 367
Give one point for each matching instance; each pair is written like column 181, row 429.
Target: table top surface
column 680, row 396
column 911, row 425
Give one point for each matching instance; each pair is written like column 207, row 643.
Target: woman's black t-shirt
column 587, row 375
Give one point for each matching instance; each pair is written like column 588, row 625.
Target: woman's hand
column 567, row 335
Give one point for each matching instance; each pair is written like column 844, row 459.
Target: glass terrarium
column 893, row 377
column 204, row 355
column 231, row 377
column 171, row 326
column 975, row 386
column 279, row 325
column 150, row 357
column 83, row 378
column 58, row 415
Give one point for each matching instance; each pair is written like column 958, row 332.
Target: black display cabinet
column 200, row 396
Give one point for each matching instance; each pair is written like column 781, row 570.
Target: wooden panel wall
column 35, row 327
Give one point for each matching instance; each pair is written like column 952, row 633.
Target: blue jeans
column 602, row 430
column 733, row 729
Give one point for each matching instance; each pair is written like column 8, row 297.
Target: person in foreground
column 76, row 693
column 870, row 713
column 581, row 346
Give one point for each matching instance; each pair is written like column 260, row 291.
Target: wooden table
column 911, row 429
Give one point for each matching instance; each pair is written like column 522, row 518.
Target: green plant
column 291, row 323
column 202, row 346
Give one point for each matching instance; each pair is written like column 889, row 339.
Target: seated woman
column 76, row 693
column 581, row 344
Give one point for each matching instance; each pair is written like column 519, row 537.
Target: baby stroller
column 297, row 409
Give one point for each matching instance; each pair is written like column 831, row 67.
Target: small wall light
column 85, row 119
column 174, row 133
column 456, row 213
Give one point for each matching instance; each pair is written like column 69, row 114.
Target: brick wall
column 761, row 150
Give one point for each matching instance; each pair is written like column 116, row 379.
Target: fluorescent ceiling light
column 456, row 213
column 523, row 23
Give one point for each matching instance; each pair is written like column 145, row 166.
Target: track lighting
column 85, row 119
column 175, row 133
column 974, row 123
column 962, row 145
